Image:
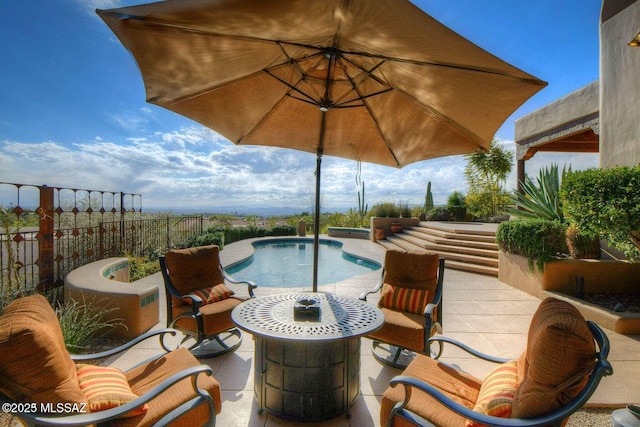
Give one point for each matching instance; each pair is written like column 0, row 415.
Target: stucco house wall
column 619, row 84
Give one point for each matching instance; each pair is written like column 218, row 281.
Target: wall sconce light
column 635, row 42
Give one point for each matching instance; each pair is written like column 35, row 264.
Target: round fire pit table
column 307, row 352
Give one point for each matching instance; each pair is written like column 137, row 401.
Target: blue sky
column 72, row 112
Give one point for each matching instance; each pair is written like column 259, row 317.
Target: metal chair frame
column 205, row 346
column 555, row 418
column 37, row 418
column 393, row 353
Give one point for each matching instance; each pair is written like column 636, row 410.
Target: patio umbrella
column 374, row 81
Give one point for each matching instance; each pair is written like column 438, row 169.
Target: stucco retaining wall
column 559, row 280
column 106, row 284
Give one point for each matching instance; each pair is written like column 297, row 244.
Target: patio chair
column 199, row 303
column 410, row 288
column 564, row 361
column 42, row 384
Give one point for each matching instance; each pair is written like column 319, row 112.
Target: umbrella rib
column 310, row 98
column 363, row 98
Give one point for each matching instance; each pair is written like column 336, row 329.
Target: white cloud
column 194, row 167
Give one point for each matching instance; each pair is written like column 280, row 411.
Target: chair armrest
column 473, row 352
column 363, row 296
column 110, row 414
column 161, row 333
column 250, row 284
column 480, row 418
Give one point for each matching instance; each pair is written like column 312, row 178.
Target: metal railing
column 57, row 230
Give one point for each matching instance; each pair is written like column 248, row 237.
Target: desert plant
column 605, row 202
column 83, row 322
column 538, row 240
column 386, row 209
column 540, row 198
column 362, row 207
column 404, row 210
column 428, row 198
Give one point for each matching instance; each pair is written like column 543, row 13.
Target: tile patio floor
column 478, row 310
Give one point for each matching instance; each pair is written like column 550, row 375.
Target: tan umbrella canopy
column 375, row 81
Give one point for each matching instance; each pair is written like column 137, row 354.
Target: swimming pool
column 288, row 263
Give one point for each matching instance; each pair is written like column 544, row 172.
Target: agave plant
column 540, row 199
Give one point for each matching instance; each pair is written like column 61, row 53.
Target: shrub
column 9, row 294
column 455, row 199
column 456, row 206
column 486, row 173
column 441, row 213
column 283, row 230
column 384, row 210
column 140, row 267
column 537, row 240
column 605, row 202
column 208, row 238
column 83, row 322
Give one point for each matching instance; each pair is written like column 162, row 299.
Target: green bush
column 208, row 238
column 455, row 199
column 605, row 202
column 140, row 267
column 440, row 213
column 456, row 205
column 480, row 205
column 282, row 230
column 225, row 234
column 538, row 240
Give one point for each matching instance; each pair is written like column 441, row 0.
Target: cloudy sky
column 72, row 112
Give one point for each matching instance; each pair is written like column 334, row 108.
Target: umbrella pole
column 316, row 224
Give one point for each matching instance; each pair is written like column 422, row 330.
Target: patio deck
column 478, row 310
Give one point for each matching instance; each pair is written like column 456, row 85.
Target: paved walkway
column 478, row 310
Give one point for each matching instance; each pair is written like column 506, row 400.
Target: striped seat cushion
column 106, row 388
column 497, row 392
column 212, row 294
column 403, row 299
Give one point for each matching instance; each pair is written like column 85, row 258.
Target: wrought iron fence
column 46, row 232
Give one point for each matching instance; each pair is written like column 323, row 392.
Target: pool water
column 289, row 264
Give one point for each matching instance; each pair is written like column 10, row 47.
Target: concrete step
column 449, row 246
column 424, row 234
column 448, row 234
column 458, row 256
column 465, row 246
column 473, row 228
column 472, row 268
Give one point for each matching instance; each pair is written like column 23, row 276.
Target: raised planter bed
column 385, row 223
column 106, row 283
column 559, row 279
column 349, row 232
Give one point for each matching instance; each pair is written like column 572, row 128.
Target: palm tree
column 486, row 174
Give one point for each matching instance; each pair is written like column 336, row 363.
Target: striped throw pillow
column 497, row 392
column 403, row 299
column 213, row 294
column 106, row 388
